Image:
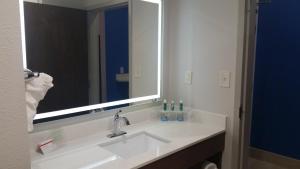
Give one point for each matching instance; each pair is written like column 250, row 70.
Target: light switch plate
column 138, row 72
column 224, row 79
column 188, row 77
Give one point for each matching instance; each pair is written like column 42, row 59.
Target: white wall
column 66, row 3
column 78, row 4
column 93, row 4
column 202, row 36
column 14, row 149
column 144, row 49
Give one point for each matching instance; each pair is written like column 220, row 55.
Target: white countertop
column 81, row 153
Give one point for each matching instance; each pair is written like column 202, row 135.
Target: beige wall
column 14, row 152
column 202, row 36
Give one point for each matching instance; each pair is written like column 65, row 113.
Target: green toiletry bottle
column 164, row 113
column 165, row 105
column 172, row 105
column 181, row 105
column 180, row 112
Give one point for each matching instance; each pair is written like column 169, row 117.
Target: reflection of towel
column 35, row 90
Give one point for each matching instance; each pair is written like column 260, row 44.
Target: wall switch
column 224, row 79
column 188, row 77
column 138, row 72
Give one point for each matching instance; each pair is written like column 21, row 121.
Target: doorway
column 271, row 87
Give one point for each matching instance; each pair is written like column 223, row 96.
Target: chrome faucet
column 117, row 125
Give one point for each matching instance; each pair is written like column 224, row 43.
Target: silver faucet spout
column 125, row 119
column 117, row 125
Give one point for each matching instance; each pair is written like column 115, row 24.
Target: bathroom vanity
column 105, row 56
column 193, row 157
column 148, row 144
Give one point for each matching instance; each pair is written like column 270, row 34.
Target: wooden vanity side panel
column 191, row 156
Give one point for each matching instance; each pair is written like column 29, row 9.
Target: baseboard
column 279, row 160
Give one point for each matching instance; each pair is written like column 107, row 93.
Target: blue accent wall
column 116, row 41
column 276, row 105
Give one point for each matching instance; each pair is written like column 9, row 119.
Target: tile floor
column 257, row 164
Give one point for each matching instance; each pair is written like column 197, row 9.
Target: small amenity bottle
column 165, row 105
column 172, row 105
column 181, row 105
column 180, row 112
column 164, row 113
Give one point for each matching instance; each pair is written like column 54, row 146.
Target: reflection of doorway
column 273, row 115
column 116, row 52
column 108, row 53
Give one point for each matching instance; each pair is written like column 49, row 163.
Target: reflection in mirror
column 144, row 48
column 97, row 51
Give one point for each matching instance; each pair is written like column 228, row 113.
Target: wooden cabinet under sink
column 193, row 156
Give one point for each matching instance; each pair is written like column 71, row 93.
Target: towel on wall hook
column 35, row 90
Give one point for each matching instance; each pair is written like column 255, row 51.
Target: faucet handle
column 117, row 114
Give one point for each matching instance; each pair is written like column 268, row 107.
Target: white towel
column 209, row 165
column 35, row 90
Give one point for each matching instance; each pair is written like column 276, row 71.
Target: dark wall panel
column 56, row 43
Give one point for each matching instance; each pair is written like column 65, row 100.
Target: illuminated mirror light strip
column 103, row 105
column 153, row 1
column 93, row 107
column 22, row 22
column 159, row 45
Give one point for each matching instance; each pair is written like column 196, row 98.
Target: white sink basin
column 129, row 146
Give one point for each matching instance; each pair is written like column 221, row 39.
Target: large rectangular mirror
column 100, row 53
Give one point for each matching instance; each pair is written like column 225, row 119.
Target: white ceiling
column 79, row 4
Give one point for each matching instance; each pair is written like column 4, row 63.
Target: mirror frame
column 108, row 104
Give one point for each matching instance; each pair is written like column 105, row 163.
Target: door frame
column 249, row 54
